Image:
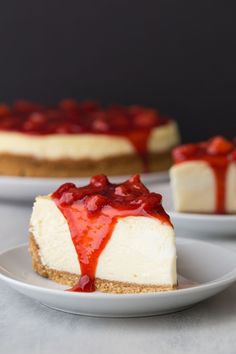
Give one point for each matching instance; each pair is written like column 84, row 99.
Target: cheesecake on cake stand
column 82, row 139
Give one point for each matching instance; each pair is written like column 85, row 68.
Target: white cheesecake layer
column 84, row 146
column 231, row 188
column 194, row 187
column 141, row 249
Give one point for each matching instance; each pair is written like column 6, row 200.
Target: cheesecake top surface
column 72, row 117
column 217, row 150
column 102, row 196
column 93, row 211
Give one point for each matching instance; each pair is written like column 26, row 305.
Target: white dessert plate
column 205, row 270
column 26, row 188
column 196, row 225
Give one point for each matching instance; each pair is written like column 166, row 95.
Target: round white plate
column 211, row 268
column 196, row 225
column 26, row 188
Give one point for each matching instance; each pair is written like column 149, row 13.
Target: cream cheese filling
column 194, row 187
column 141, row 249
column 84, row 146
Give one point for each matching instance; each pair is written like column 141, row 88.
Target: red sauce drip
column 72, row 117
column 218, row 153
column 139, row 140
column 93, row 211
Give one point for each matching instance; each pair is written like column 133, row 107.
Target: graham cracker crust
column 70, row 279
column 17, row 165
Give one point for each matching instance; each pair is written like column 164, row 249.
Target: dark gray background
column 179, row 56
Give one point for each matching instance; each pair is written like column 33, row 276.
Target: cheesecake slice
column 80, row 139
column 113, row 238
column 203, row 177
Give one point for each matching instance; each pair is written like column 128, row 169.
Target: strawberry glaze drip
column 218, row 153
column 93, row 211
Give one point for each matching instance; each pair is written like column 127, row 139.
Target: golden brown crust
column 101, row 285
column 16, row 165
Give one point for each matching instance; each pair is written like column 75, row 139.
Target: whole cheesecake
column 113, row 238
column 82, row 139
column 203, row 177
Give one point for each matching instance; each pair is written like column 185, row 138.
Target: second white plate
column 196, row 225
column 26, row 188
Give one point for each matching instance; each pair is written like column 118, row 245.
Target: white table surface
column 28, row 327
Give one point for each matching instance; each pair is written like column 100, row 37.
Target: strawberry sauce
column 92, row 213
column 218, row 153
column 71, row 117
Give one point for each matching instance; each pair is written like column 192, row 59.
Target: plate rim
column 202, row 217
column 227, row 278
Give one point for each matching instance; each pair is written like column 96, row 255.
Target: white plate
column 26, row 188
column 196, row 225
column 211, row 267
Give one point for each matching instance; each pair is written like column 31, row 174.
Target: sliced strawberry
column 146, row 119
column 219, row 145
column 99, row 181
column 100, row 123
column 94, row 203
column 4, row 110
column 185, row 151
column 26, row 107
column 68, row 104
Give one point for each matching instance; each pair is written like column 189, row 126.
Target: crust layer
column 14, row 165
column 101, row 285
